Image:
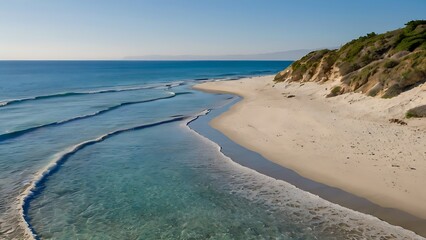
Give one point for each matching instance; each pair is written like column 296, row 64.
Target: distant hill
column 382, row 65
column 284, row 55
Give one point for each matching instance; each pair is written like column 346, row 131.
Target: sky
column 106, row 29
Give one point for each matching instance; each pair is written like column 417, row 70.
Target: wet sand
column 346, row 143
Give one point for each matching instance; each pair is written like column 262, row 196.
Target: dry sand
column 345, row 141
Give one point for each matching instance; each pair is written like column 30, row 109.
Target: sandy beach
column 346, row 141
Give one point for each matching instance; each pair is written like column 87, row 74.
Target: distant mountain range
column 284, row 55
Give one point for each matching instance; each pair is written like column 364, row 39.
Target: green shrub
column 346, row 67
column 410, row 44
column 336, row 90
column 417, row 112
column 411, row 25
column 391, row 63
column 295, row 65
column 373, row 92
column 392, row 91
column 412, row 37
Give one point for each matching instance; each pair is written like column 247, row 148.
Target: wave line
column 60, row 158
column 15, row 134
column 68, row 94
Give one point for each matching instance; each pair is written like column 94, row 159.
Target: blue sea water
column 103, row 150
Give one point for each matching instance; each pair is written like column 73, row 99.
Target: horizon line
column 143, row 60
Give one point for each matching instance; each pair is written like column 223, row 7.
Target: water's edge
column 38, row 96
column 258, row 163
column 236, row 154
column 60, row 158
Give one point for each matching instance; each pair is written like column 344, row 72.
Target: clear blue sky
column 105, row 29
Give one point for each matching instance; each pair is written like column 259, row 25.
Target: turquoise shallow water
column 114, row 159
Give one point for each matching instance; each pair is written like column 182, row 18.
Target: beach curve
column 283, row 125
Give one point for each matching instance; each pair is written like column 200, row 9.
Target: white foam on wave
column 105, row 110
column 60, row 156
column 100, row 91
column 29, row 191
column 278, row 195
column 250, row 184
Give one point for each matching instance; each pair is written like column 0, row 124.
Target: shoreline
column 260, row 95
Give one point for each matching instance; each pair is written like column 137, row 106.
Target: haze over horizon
column 105, row 30
column 283, row 55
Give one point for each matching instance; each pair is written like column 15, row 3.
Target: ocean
column 106, row 150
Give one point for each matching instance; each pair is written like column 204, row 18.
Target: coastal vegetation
column 417, row 112
column 380, row 65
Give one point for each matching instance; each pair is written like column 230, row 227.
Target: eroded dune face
column 383, row 65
